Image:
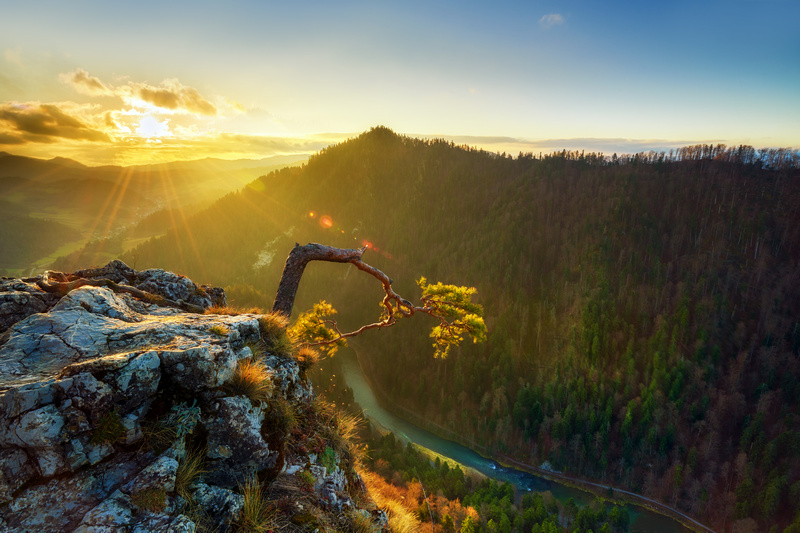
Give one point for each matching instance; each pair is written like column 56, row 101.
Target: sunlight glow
column 150, row 127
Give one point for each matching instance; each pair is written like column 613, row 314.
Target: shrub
column 328, row 458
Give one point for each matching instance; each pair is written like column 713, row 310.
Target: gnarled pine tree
column 450, row 305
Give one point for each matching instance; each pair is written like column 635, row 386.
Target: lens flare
column 326, row 222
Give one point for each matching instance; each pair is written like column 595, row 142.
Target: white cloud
column 553, row 19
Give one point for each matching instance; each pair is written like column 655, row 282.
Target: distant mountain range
column 58, row 205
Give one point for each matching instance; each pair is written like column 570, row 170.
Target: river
column 642, row 520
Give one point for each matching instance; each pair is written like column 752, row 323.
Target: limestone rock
column 104, row 398
column 235, row 444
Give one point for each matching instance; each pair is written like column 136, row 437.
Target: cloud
column 174, row 96
column 7, row 138
column 553, row 19
column 34, row 122
column 170, row 95
column 84, row 83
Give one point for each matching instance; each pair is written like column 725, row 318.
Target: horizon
column 183, row 81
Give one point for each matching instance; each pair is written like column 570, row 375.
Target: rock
column 235, row 444
column 224, row 504
column 103, row 397
column 20, row 299
column 15, row 470
column 172, row 286
column 112, row 515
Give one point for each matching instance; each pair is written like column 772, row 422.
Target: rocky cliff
column 121, row 411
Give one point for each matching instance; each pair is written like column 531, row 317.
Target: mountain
column 96, row 203
column 643, row 310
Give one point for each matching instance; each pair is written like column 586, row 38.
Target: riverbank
column 597, row 489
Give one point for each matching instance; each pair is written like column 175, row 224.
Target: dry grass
column 307, row 357
column 274, row 334
column 257, row 515
column 340, row 430
column 189, row 472
column 359, row 522
column 233, row 311
column 157, row 436
column 282, row 416
column 252, row 379
column 272, row 325
column 217, row 329
column 390, row 498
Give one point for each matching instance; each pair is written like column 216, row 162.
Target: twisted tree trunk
column 296, row 263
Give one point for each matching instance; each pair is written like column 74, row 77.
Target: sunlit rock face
column 104, row 398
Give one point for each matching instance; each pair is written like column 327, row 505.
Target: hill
column 95, row 203
column 644, row 311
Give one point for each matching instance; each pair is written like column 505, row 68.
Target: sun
column 150, row 127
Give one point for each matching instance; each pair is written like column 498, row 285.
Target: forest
column 643, row 310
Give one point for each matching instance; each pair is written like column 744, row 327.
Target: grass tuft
column 358, row 521
column 257, row 515
column 109, row 429
column 274, row 334
column 387, row 497
column 272, row 324
column 233, row 311
column 189, row 472
column 158, row 436
column 252, row 379
column 282, row 416
column 217, row 329
column 258, row 349
column 307, row 357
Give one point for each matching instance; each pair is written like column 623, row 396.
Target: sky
column 140, row 82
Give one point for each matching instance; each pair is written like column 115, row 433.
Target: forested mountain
column 644, row 311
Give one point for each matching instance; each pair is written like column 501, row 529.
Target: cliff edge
column 121, row 411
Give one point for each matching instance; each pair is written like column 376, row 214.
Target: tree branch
column 62, row 286
column 393, row 303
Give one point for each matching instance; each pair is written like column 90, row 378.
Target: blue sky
column 248, row 79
